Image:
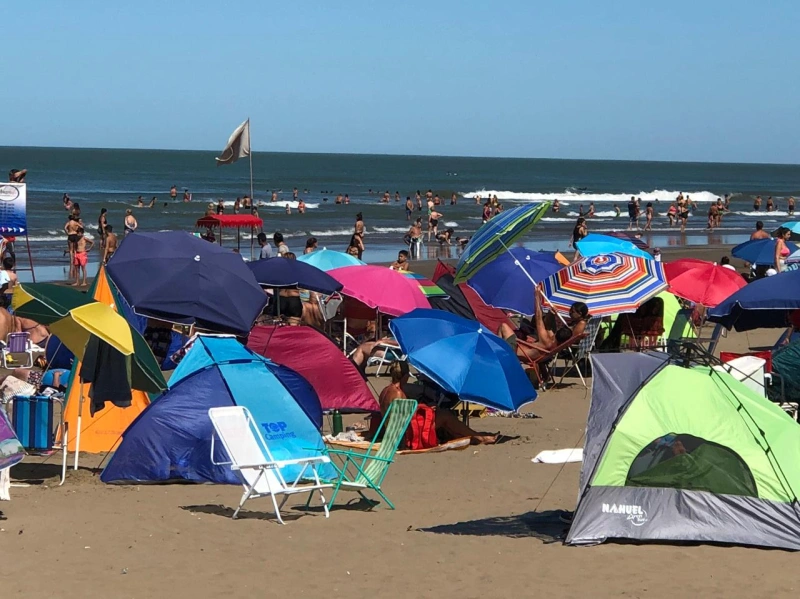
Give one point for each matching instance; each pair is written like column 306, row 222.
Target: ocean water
column 113, row 179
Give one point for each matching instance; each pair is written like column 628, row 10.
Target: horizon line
column 400, row 155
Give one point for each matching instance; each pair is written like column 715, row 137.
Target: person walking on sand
column 111, row 244
column 130, row 222
column 82, row 248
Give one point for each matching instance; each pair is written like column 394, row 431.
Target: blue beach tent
column 171, row 439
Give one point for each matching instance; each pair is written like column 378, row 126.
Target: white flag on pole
column 238, row 145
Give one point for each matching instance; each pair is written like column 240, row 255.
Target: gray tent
column 685, row 454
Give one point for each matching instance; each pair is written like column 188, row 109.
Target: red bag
column 421, row 433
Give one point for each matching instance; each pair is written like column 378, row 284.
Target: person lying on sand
column 448, row 426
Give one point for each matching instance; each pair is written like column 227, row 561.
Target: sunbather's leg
column 453, row 428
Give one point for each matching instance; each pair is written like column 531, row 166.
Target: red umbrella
column 702, row 282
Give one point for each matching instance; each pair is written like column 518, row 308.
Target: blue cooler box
column 33, row 421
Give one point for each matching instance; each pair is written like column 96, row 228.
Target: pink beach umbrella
column 380, row 288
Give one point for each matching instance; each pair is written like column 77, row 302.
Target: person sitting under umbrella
column 547, row 335
column 448, row 426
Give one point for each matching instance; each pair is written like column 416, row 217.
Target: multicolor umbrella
column 509, row 282
column 607, row 284
column 326, row 259
column 75, row 318
column 380, row 288
column 463, row 358
column 703, row 282
column 496, row 236
column 594, row 245
column 429, row 288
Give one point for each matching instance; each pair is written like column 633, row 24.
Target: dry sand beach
column 468, row 524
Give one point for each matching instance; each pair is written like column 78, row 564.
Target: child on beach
column 82, row 247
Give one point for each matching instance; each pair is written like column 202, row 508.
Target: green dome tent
column 685, row 454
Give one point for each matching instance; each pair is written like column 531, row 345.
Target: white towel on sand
column 559, row 456
column 5, row 484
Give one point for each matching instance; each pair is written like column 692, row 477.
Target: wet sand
column 465, row 526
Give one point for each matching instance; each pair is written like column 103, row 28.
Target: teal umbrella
column 326, row 259
column 496, row 236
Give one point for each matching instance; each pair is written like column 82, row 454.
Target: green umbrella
column 496, row 236
column 50, row 304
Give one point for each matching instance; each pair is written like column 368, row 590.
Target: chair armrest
column 321, row 459
column 267, row 465
column 354, row 455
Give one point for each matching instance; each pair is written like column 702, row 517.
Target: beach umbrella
column 794, row 227
column 595, row 245
column 176, row 277
column 702, row 282
column 607, row 284
column 464, row 358
column 285, row 273
column 380, row 288
column 765, row 303
column 496, row 236
column 75, row 318
column 429, row 288
column 632, row 237
column 506, row 282
column 326, row 259
column 759, row 251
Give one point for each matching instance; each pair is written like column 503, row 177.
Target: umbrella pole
column 78, row 432
column 535, row 286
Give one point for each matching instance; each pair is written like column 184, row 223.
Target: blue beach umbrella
column 326, row 259
column 176, row 277
column 759, row 251
column 290, row 274
column 497, row 235
column 765, row 303
column 595, row 245
column 463, row 358
column 504, row 283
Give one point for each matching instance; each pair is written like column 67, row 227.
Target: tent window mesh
column 680, row 461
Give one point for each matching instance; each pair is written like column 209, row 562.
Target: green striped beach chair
column 362, row 471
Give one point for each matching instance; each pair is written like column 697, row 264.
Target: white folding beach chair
column 251, row 459
column 385, row 354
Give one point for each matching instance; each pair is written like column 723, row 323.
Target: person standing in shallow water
column 358, row 232
column 130, row 222
column 102, row 223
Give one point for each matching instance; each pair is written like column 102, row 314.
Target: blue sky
column 700, row 80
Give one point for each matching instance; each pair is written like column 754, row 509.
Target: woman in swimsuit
column 579, row 232
column 781, row 250
column 130, row 222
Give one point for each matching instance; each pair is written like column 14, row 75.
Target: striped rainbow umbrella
column 496, row 236
column 428, row 287
column 608, row 284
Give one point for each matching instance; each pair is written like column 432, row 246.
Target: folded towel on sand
column 559, row 456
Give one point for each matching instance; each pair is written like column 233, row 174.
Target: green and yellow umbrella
column 75, row 318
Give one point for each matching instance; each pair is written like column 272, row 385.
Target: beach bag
column 421, row 433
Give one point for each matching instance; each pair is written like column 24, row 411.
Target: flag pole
column 250, row 153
